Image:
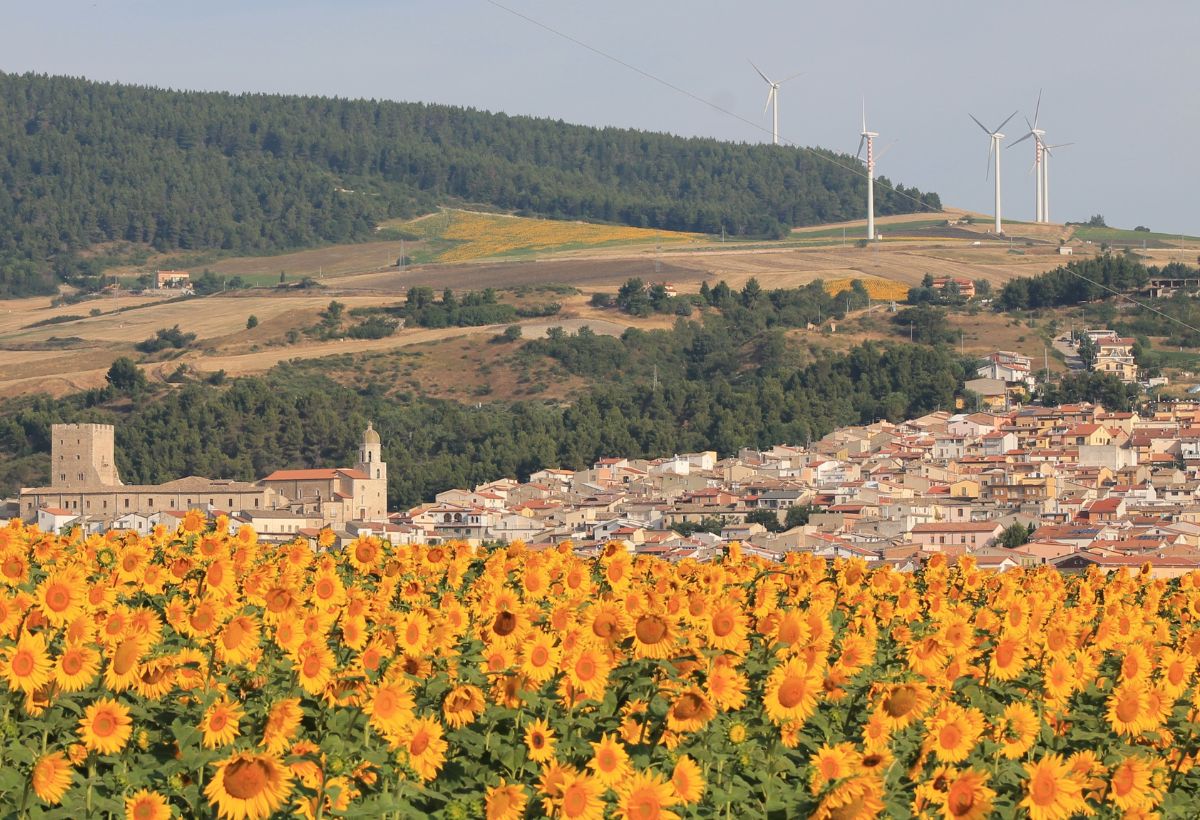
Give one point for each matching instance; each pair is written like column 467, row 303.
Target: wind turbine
column 994, row 148
column 868, row 139
column 773, row 100
column 1046, row 178
column 1039, row 147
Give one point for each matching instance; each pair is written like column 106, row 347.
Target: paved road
column 1073, row 360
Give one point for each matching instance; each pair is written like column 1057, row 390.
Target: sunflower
column 539, row 739
column 193, row 522
column 903, row 703
column 220, row 723
column 1052, row 792
column 1176, row 670
column 105, row 726
column 1020, row 730
column 1127, row 709
column 237, row 640
column 424, row 743
column 390, row 707
column 27, row 665
column 155, row 678
column 687, row 780
column 462, row 705
column 1008, row 659
column 690, row 711
column 968, row 796
column 249, row 786
column 953, row 732
column 856, row 797
column 646, row 795
column 52, row 776
column 653, row 636
column 147, row 805
column 315, row 667
column 505, row 802
column 413, row 632
column 832, row 763
column 587, row 672
column 791, row 692
column 1132, row 784
column 610, row 761
column 726, row 626
column 540, row 657
column 726, row 687
column 121, row 672
column 580, row 798
column 363, row 553
column 14, row 569
column 61, row 597
column 282, row 722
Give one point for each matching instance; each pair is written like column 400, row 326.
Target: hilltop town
column 1070, row 486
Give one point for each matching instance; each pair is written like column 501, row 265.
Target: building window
column 126, row 503
column 231, row 503
column 256, row 502
column 62, row 476
column 149, row 502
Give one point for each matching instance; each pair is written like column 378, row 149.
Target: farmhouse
column 172, row 279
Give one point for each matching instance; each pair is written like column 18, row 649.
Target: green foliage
column 768, row 518
column 473, row 308
column 797, row 515
column 1080, row 280
column 1087, row 350
column 1099, row 388
column 1016, row 534
column 125, row 376
column 924, row 324
column 251, row 322
column 166, row 338
column 88, row 162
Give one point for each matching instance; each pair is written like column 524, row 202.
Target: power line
column 812, row 152
column 680, row 90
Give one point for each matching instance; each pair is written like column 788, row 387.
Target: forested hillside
column 254, row 426
column 87, row 162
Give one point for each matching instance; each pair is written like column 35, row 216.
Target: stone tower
column 370, row 461
column 83, row 456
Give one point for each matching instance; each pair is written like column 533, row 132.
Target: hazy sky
column 1120, row 80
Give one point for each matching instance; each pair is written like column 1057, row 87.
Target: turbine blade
column 792, row 77
column 864, row 106
column 1001, row 125
column 770, row 97
column 1036, row 110
column 861, row 142
column 988, row 173
column 1022, row 139
column 981, row 125
column 756, row 68
column 886, row 148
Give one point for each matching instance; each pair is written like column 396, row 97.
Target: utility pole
column 656, row 377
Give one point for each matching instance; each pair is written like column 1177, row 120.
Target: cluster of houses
column 1088, row 487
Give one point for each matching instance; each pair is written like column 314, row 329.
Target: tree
column 983, row 288
column 1016, row 534
column 252, row 322
column 511, row 333
column 125, row 376
column 768, row 518
column 1088, row 350
column 1097, row 221
column 797, row 516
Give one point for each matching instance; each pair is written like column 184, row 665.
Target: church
column 84, row 484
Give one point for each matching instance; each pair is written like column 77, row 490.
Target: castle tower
column 83, row 456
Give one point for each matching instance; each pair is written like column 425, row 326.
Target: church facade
column 84, row 483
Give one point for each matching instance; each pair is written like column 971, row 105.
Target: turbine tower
column 1039, row 148
column 994, row 148
column 773, row 100
column 867, row 138
column 1046, row 178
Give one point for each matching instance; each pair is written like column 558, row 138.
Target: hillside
column 88, row 163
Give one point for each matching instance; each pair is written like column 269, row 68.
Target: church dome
column 369, row 435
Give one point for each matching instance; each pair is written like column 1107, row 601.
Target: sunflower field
column 201, row 673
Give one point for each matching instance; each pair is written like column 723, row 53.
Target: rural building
column 172, row 279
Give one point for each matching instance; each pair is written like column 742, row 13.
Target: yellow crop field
column 879, row 289
column 480, row 236
column 201, row 673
